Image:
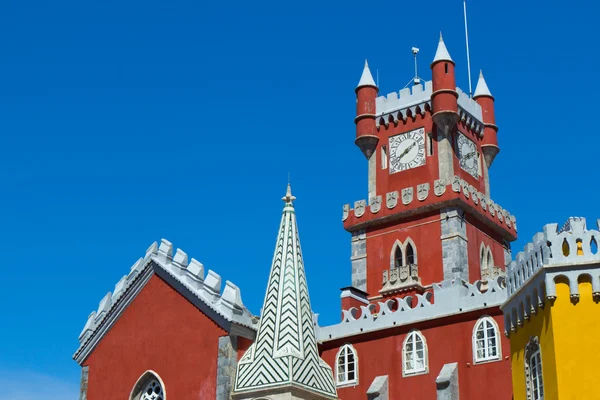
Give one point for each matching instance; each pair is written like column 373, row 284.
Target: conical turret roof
column 441, row 53
column 285, row 352
column 366, row 79
column 482, row 87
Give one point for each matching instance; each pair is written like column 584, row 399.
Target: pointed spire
column 482, row 87
column 286, row 342
column 366, row 78
column 442, row 52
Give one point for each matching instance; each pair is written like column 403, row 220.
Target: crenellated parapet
column 435, row 194
column 205, row 291
column 447, row 298
column 567, row 254
column 407, row 103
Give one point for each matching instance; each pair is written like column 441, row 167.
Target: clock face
column 467, row 155
column 407, row 150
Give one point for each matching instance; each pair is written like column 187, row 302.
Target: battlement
column 428, row 194
column 409, row 102
column 568, row 253
column 187, row 276
column 447, row 298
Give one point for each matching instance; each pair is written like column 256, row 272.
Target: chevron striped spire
column 285, row 352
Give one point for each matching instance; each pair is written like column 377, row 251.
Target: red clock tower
column 429, row 247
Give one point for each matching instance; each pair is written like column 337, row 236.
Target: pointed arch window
column 414, row 354
column 533, row 370
column 486, row 341
column 346, row 366
column 148, row 387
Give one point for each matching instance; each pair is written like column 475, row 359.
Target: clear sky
column 123, row 122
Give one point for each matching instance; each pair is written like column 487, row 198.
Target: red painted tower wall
column 160, row 331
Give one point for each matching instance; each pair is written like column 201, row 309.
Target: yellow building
column 552, row 314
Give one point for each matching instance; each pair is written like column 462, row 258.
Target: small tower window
column 415, row 354
column 397, row 257
column 346, row 366
column 384, row 157
column 430, row 144
column 446, row 67
column 486, row 341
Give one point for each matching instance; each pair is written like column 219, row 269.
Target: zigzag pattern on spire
column 285, row 351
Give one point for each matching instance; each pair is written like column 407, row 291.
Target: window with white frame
column 414, row 354
column 347, row 366
column 486, row 341
column 533, row 370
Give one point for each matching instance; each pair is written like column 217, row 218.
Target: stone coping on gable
column 187, row 277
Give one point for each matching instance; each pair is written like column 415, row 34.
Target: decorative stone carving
column 391, row 199
column 422, row 191
column 492, row 208
column 465, row 188
column 439, row 187
column 345, row 212
column 484, row 202
column 407, row 195
column 400, row 277
column 359, row 208
column 375, row 204
column 456, row 184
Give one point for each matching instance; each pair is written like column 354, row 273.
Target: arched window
column 410, row 255
column 486, row 341
column 148, row 387
column 398, row 257
column 414, row 354
column 533, row 370
column 490, row 260
column 347, row 366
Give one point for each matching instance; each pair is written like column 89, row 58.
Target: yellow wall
column 577, row 338
column 569, row 336
column 540, row 325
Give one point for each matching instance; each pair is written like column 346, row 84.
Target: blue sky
column 125, row 122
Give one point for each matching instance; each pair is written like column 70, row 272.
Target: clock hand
column 409, row 148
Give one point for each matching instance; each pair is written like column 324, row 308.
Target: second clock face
column 407, row 150
column 467, row 155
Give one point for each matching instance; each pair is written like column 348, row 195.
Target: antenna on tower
column 377, row 77
column 416, row 80
column 468, row 53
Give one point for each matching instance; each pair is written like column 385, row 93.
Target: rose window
column 153, row 391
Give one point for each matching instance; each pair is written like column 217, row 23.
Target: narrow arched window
column 397, row 257
column 148, row 387
column 410, row 254
column 533, row 370
column 482, row 259
column 490, row 260
column 414, row 354
column 486, row 341
column 347, row 366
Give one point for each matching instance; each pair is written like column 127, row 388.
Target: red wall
column 424, row 230
column 160, row 331
column 448, row 343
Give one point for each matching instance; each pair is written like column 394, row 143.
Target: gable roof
column 285, row 352
column 225, row 309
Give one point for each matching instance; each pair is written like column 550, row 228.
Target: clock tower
column 429, row 216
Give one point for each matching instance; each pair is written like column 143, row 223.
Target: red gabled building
column 421, row 319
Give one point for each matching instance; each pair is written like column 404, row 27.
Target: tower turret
column 366, row 131
column 484, row 98
column 444, row 97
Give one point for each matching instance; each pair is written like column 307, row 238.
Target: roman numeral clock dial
column 407, row 150
column 467, row 155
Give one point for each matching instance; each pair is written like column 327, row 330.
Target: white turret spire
column 285, row 358
column 366, row 78
column 441, row 53
column 482, row 87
